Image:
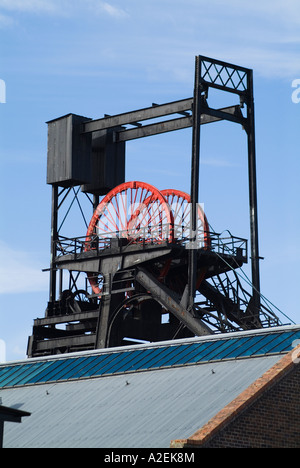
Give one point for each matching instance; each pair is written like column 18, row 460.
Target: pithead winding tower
column 147, row 266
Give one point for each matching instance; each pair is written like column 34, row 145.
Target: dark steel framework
column 210, row 73
column 137, row 302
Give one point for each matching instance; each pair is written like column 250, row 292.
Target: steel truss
column 146, row 278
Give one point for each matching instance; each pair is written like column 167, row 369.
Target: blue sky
column 92, row 57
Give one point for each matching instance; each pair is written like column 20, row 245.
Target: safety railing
column 146, row 236
column 122, row 240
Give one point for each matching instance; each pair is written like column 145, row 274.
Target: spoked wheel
column 141, row 318
column 124, row 213
column 179, row 203
column 135, row 212
column 79, row 301
column 81, row 295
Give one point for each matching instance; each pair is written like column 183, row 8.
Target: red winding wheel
column 132, row 210
column 136, row 211
column 179, row 203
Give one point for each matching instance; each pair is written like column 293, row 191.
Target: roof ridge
column 158, row 344
column 100, row 364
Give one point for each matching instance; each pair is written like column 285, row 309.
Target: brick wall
column 265, row 415
column 272, row 421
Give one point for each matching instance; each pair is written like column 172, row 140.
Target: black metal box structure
column 93, row 160
column 107, row 163
column 69, row 152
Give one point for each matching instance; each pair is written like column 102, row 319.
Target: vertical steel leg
column 54, row 235
column 253, row 197
column 192, row 273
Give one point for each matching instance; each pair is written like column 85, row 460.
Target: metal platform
column 142, row 297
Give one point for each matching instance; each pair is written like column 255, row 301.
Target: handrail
column 122, row 240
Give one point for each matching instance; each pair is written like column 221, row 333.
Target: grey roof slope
column 135, row 408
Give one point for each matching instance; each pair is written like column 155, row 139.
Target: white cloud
column 34, row 6
column 63, row 7
column 162, row 38
column 19, row 272
column 5, row 21
column 217, row 163
column 111, row 10
column 282, row 10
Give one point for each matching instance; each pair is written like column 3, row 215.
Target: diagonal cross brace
column 168, row 299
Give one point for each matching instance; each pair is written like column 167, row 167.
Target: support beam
column 167, row 298
column 102, row 325
column 54, row 235
column 253, row 196
column 232, row 114
column 133, row 117
column 197, row 110
column 154, row 129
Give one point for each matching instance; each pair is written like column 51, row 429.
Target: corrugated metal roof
column 149, row 357
column 138, row 410
column 151, row 394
